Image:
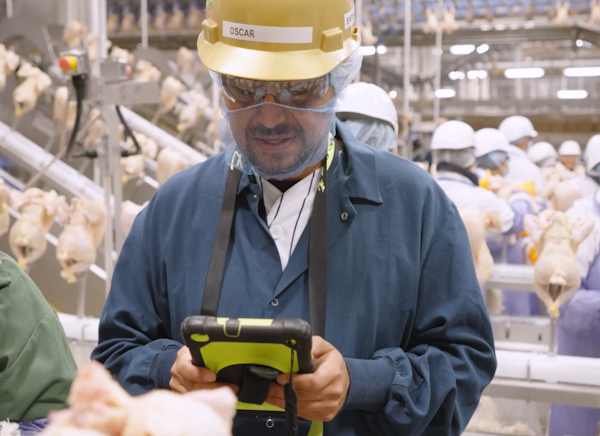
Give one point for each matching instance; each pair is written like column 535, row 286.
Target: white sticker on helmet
column 349, row 18
column 279, row 35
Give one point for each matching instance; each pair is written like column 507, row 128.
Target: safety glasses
column 296, row 93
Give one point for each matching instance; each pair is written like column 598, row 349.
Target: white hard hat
column 541, row 151
column 453, row 135
column 368, row 100
column 569, row 148
column 594, row 142
column 488, row 140
column 593, row 159
column 516, row 128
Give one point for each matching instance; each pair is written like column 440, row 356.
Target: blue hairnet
column 373, row 133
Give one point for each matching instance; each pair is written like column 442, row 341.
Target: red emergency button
column 67, row 63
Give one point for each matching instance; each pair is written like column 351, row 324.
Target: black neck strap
column 317, row 249
column 445, row 166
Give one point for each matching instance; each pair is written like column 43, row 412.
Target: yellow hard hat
column 275, row 40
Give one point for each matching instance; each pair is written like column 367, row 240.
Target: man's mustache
column 279, row 130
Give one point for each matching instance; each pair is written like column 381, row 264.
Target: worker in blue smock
column 579, row 322
column 492, row 151
column 407, row 345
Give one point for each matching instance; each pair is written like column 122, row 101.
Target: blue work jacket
column 403, row 304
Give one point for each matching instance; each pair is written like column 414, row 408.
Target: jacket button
column 270, row 423
column 274, row 302
column 344, row 216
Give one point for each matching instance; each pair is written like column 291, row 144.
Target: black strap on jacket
column 255, row 386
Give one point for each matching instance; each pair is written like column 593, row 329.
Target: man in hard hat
column 543, row 154
column 519, row 131
column 407, row 347
column 492, row 151
column 368, row 112
column 578, row 326
column 453, row 146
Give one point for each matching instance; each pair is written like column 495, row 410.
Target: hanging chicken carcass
column 169, row 162
column 556, row 237
column 9, row 61
column 129, row 212
column 27, row 237
column 25, row 96
column 78, row 243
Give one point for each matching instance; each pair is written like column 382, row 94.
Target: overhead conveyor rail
column 162, row 138
column 33, row 158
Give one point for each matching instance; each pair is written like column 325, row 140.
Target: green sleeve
column 36, row 364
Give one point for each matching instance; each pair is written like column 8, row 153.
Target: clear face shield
column 281, row 128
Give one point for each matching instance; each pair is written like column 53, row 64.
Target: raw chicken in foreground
column 555, row 237
column 79, row 242
column 487, row 420
column 25, row 96
column 100, row 407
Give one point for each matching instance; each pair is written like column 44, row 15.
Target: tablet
column 247, row 351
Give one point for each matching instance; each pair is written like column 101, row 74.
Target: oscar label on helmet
column 349, row 18
column 279, row 35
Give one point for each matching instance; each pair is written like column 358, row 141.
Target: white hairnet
column 373, row 133
column 464, row 158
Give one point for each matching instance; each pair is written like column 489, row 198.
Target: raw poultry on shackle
column 85, row 222
column 5, row 196
column 562, row 15
column 176, row 20
column 185, row 59
column 563, row 187
column 169, row 90
column 195, row 16
column 191, row 112
column 478, row 223
column 25, row 96
column 169, row 162
column 449, row 24
column 133, row 166
column 63, row 111
column 73, row 32
column 99, row 406
column 212, row 131
column 117, row 52
column 95, row 131
column 27, row 237
column 146, row 72
column 555, row 237
column 129, row 211
column 9, row 61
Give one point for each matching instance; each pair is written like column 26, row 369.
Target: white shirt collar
column 288, row 213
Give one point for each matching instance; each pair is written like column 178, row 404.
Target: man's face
column 275, row 137
column 569, row 162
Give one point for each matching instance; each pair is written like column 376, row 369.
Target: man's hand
column 322, row 394
column 186, row 377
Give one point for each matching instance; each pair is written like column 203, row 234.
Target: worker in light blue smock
column 407, row 346
column 579, row 322
column 492, row 151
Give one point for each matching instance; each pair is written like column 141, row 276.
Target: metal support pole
column 553, row 347
column 9, row 9
column 102, row 32
column 358, row 14
column 438, row 64
column 406, row 93
column 144, row 23
column 82, row 279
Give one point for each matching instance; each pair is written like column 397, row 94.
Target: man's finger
column 195, row 373
column 320, row 347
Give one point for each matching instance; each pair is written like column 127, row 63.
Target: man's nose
column 270, row 116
